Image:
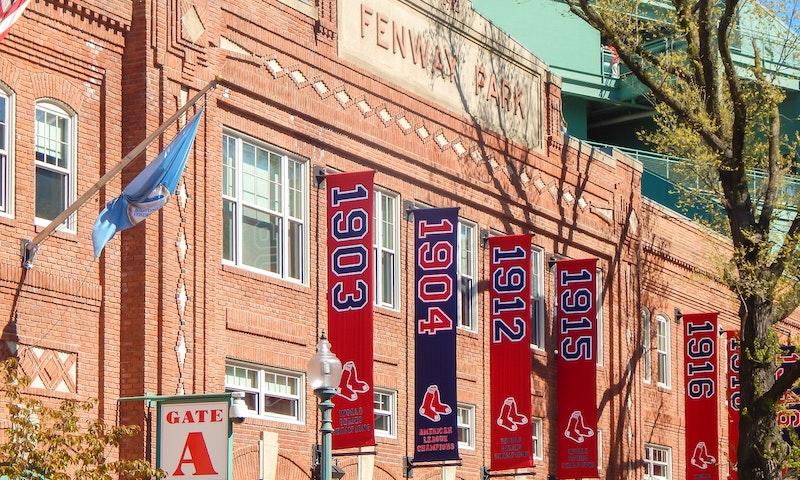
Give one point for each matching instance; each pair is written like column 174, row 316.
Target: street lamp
column 324, row 374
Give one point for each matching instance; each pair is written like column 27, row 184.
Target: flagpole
column 30, row 247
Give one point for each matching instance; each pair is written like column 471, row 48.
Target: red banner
column 701, row 403
column 577, row 368
column 510, row 351
column 350, row 290
column 734, row 402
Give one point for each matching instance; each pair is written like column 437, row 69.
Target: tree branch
column 708, row 62
column 782, row 384
column 631, row 55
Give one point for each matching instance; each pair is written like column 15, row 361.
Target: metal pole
column 326, row 408
column 30, row 247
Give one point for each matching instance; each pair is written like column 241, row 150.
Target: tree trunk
column 761, row 447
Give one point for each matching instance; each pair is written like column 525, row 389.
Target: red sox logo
column 432, row 407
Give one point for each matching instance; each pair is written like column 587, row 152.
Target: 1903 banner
column 350, row 280
column 510, row 352
column 436, row 313
column 788, row 415
column 701, row 375
column 734, row 401
column 576, row 328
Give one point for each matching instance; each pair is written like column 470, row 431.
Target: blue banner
column 435, row 320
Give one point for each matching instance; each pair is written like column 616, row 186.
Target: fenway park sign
column 446, row 52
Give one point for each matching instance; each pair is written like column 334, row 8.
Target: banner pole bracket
column 320, row 173
column 487, row 474
column 409, row 465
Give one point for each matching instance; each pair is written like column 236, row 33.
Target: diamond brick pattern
column 48, row 369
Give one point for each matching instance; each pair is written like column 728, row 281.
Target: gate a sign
column 193, row 440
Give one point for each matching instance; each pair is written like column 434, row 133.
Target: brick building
column 200, row 299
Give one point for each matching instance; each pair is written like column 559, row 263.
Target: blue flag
column 149, row 191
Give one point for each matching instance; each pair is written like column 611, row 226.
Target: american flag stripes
column 10, row 11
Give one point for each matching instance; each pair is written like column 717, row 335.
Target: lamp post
column 324, row 374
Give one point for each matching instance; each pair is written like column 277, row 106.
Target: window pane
column 537, row 322
column 465, row 290
column 275, row 183
column 295, row 250
column 228, row 230
column 228, row 166
column 295, row 189
column 387, row 214
column 387, row 280
column 51, row 190
column 261, row 240
column 3, row 121
column 51, row 138
column 383, row 423
column 280, row 406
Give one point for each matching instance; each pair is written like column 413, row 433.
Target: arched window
column 647, row 357
column 55, row 138
column 6, row 151
column 664, row 350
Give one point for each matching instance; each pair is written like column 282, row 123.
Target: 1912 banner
column 701, row 403
column 435, row 316
column 734, row 401
column 576, row 325
column 350, row 280
column 510, row 351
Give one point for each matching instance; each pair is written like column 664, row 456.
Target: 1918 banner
column 701, row 375
column 350, row 280
column 576, row 328
column 435, row 316
column 734, row 401
column 510, row 352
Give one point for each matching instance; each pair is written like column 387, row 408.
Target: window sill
column 263, row 277
column 389, row 312
column 302, row 7
column 538, row 352
column 390, row 439
column 663, row 387
column 61, row 232
column 467, row 333
column 262, row 421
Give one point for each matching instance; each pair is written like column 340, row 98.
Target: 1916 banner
column 701, row 403
column 510, row 352
column 576, row 326
column 789, row 414
column 734, row 401
column 350, row 267
column 435, row 316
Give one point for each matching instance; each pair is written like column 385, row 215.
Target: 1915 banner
column 436, row 313
column 701, row 403
column 510, row 352
column 350, row 280
column 576, row 325
column 734, row 401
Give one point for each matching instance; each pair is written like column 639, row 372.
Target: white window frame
column 59, row 109
column 600, row 294
column 665, row 352
column 537, row 296
column 647, row 346
column 472, row 326
column 648, row 475
column 7, row 167
column 470, row 444
column 391, row 413
column 537, row 427
column 378, row 249
column 284, row 216
column 599, row 450
column 262, row 391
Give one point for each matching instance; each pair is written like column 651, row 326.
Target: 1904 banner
column 701, row 375
column 350, row 280
column 576, row 327
column 436, row 313
column 510, row 352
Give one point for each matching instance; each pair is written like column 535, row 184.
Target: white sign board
column 193, row 440
column 456, row 58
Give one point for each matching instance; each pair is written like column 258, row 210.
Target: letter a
column 198, row 456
